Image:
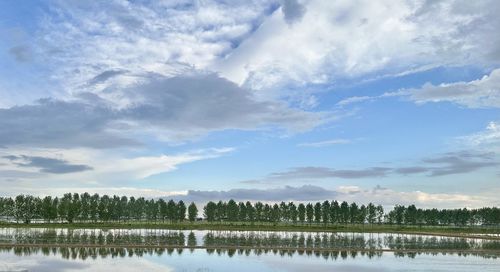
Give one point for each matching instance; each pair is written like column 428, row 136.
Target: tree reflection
column 93, row 243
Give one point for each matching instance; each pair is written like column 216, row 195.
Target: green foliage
column 94, row 208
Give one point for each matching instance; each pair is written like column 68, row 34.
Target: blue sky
column 254, row 100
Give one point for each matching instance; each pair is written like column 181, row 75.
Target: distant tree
column 171, row 210
column 192, row 212
column 334, row 212
column 46, row 210
column 325, row 212
column 317, row 212
column 250, row 212
column 301, row 212
column 380, row 213
column 210, row 211
column 292, row 209
column 353, row 213
column 309, row 212
column 275, row 213
column 259, row 209
column 162, row 206
column 181, row 211
column 344, row 212
column 371, row 213
column 242, row 212
column 232, row 211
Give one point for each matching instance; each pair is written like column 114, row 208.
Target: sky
column 393, row 102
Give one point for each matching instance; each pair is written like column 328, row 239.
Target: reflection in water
column 94, row 243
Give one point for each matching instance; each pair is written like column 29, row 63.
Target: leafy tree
column 232, row 211
column 250, row 212
column 344, row 212
column 181, row 211
column 292, row 209
column 334, row 212
column 325, row 212
column 317, row 212
column 210, row 211
column 192, row 212
column 309, row 212
column 301, row 212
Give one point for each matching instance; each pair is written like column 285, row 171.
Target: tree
column 371, row 213
column 171, row 210
column 46, row 208
column 317, row 212
column 301, row 212
column 162, row 206
column 242, row 212
column 309, row 212
column 210, row 211
column 334, row 212
column 250, row 212
column 325, row 212
column 232, row 211
column 192, row 212
column 181, row 211
column 353, row 213
column 344, row 212
column 259, row 209
column 292, row 209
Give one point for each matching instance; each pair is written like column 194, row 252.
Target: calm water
column 170, row 250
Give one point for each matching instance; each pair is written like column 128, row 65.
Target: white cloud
column 350, row 193
column 326, row 143
column 480, row 93
column 490, row 136
column 105, row 168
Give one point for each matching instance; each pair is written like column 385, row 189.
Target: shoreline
column 488, row 233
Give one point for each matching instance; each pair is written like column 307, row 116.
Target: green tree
column 292, row 209
column 325, row 212
column 210, row 211
column 242, row 212
column 192, row 212
column 301, row 212
column 181, row 211
column 334, row 212
column 344, row 212
column 232, row 211
column 309, row 212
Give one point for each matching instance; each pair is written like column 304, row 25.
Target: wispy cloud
column 379, row 195
column 444, row 164
column 326, row 143
column 491, row 135
column 48, row 165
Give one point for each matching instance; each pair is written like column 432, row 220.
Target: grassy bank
column 245, row 226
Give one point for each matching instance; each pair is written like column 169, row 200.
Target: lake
column 39, row 249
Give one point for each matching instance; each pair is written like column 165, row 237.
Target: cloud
column 491, row 135
column 48, row 165
column 21, row 53
column 303, row 193
column 177, row 109
column 292, row 10
column 102, row 77
column 444, row 164
column 459, row 162
column 326, row 143
column 480, row 93
column 101, row 169
column 354, row 99
column 378, row 195
column 363, row 39
column 325, row 172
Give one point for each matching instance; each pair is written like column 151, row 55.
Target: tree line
column 95, row 208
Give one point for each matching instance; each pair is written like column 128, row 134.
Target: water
column 171, row 250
